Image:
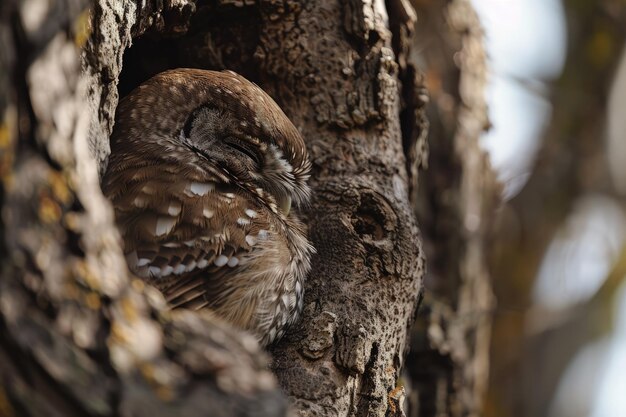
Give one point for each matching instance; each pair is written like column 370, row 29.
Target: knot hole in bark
column 373, row 219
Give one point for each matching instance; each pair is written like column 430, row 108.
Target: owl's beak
column 284, row 204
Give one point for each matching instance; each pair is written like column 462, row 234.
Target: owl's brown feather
column 201, row 163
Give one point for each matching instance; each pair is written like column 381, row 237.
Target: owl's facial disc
column 216, row 136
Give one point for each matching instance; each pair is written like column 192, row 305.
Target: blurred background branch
column 553, row 251
column 556, row 261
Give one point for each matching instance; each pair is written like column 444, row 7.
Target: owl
column 203, row 171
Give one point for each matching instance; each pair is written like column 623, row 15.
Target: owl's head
column 273, row 160
column 222, row 122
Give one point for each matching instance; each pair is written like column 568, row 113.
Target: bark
column 81, row 337
column 346, row 357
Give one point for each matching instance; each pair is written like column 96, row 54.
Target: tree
column 79, row 336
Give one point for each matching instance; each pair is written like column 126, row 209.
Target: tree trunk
column 79, row 336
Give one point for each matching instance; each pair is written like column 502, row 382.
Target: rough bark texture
column 80, row 337
column 365, row 282
column 448, row 364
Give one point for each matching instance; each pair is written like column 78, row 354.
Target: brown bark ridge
column 458, row 194
column 79, row 337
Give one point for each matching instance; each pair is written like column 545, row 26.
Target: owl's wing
column 184, row 236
